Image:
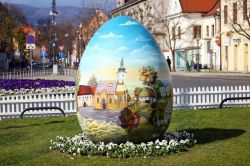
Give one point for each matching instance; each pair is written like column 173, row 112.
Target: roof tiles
column 85, row 90
column 197, row 6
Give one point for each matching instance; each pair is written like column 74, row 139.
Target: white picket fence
column 190, row 98
column 12, row 106
column 36, row 73
column 209, row 97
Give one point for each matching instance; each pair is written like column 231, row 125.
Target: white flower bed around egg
column 81, row 145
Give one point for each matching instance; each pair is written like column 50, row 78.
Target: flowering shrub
column 81, row 145
column 17, row 86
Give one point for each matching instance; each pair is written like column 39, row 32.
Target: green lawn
column 223, row 139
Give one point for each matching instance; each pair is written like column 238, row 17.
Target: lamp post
column 198, row 53
column 68, row 59
column 227, row 44
column 53, row 13
column 80, row 41
column 217, row 36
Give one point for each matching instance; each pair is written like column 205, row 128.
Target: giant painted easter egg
column 124, row 85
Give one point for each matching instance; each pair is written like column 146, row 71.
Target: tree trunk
column 173, row 59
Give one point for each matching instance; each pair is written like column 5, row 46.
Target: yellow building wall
column 107, row 98
column 100, row 96
column 238, row 54
column 122, row 100
column 239, row 59
column 110, row 105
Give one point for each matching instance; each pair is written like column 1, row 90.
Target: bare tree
column 104, row 5
column 241, row 8
column 160, row 24
column 90, row 19
column 93, row 82
column 11, row 19
column 16, row 12
column 65, row 35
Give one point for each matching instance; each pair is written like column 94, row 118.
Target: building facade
column 146, row 12
column 195, row 29
column 235, row 47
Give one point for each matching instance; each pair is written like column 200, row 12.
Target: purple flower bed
column 33, row 84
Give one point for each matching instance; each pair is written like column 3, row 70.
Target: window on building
column 110, row 100
column 212, row 28
column 173, row 33
column 97, row 100
column 179, row 32
column 126, row 1
column 244, row 9
column 235, row 12
column 197, row 31
column 207, row 31
column 225, row 15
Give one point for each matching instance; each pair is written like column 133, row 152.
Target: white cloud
column 122, row 48
column 128, row 23
column 141, row 38
column 96, row 48
column 110, row 35
column 142, row 50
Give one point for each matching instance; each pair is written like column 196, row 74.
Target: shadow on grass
column 35, row 124
column 207, row 135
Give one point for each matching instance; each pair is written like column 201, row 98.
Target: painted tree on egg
column 93, row 82
column 148, row 76
column 129, row 119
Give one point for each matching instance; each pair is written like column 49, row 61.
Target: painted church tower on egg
column 121, row 90
column 121, row 73
column 112, row 95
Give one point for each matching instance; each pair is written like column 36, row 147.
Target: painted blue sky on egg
column 121, row 37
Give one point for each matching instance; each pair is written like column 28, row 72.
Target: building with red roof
column 196, row 24
column 85, row 90
column 197, row 6
column 85, row 96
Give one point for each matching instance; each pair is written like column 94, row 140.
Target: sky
column 121, row 37
column 47, row 3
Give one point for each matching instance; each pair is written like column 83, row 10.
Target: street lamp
column 198, row 53
column 54, row 13
column 80, row 41
column 68, row 59
column 217, row 36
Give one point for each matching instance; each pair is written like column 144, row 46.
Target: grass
column 223, row 139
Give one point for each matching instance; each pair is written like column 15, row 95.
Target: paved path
column 102, row 115
column 203, row 74
column 181, row 79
